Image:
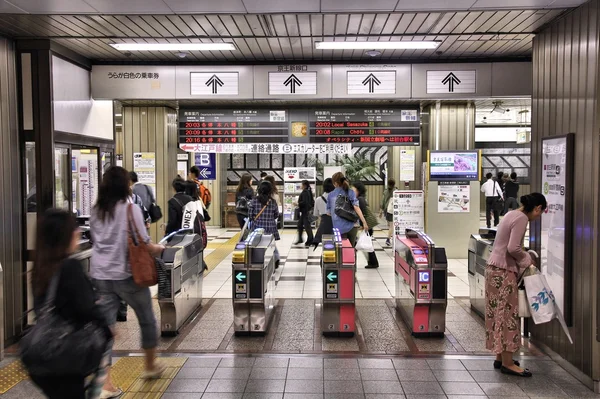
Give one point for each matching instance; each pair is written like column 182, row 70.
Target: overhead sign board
column 207, row 83
column 451, row 81
column 371, row 82
column 375, row 127
column 207, row 165
column 291, row 83
column 270, row 148
column 133, row 82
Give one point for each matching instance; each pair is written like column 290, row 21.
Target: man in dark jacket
column 511, row 193
column 176, row 205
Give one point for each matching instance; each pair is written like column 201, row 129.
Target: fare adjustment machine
column 421, row 274
column 253, row 267
column 338, row 267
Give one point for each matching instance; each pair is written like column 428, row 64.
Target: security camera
column 182, row 55
column 127, row 54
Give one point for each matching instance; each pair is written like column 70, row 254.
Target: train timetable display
column 232, row 126
column 393, row 126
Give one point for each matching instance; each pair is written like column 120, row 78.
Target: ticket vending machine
column 421, row 274
column 338, row 268
column 253, row 267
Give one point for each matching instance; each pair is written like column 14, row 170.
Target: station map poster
column 233, row 126
column 407, row 165
column 556, row 233
column 361, row 127
column 454, row 197
column 409, row 211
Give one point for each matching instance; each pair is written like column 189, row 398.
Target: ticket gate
column 421, row 274
column 253, row 268
column 180, row 284
column 338, row 268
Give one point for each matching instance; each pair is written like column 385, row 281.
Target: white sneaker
column 111, row 395
column 154, row 374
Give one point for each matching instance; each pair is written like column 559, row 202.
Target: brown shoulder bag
column 143, row 265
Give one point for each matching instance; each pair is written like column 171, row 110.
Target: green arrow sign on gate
column 331, row 276
column 240, row 277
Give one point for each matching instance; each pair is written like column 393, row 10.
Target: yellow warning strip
column 126, row 371
column 11, row 375
column 220, row 252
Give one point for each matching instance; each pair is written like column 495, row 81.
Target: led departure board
column 232, row 126
column 390, row 126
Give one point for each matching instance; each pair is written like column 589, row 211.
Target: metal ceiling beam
column 213, row 37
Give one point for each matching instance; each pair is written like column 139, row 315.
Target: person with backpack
column 176, row 205
column 306, row 204
column 144, row 192
column 344, row 209
column 263, row 213
column 203, row 192
column 243, row 196
column 325, row 224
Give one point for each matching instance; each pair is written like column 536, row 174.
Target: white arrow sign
column 204, row 173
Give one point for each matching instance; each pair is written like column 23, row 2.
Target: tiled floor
column 349, row 377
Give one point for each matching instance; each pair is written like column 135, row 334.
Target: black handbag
column 154, row 210
column 241, row 206
column 57, row 347
column 345, row 209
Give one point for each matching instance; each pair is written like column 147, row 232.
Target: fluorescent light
column 376, row 45
column 173, row 46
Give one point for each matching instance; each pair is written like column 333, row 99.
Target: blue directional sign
column 240, row 277
column 207, row 163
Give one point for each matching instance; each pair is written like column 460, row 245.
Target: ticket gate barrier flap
column 338, row 267
column 421, row 283
column 184, row 266
column 253, row 282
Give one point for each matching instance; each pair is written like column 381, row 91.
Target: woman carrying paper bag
column 508, row 259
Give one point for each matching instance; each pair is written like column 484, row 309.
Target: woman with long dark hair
column 346, row 227
column 57, row 239
column 306, row 203
column 109, row 265
column 508, row 259
column 361, row 194
column 263, row 212
column 243, row 196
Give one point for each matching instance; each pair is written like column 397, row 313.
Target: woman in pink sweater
column 502, row 324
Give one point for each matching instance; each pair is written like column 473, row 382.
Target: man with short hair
column 142, row 190
column 493, row 193
column 200, row 191
column 263, row 175
column 511, row 190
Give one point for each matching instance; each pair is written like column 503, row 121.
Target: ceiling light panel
column 173, row 46
column 377, row 45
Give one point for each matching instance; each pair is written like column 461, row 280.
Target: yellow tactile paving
column 11, row 375
column 219, row 253
column 126, row 371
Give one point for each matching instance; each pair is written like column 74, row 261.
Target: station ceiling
column 284, row 30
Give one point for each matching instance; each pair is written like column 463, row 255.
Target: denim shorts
column 111, row 292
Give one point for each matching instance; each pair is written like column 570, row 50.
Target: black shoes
column 525, row 373
column 308, row 244
column 498, row 364
column 371, row 266
column 277, row 264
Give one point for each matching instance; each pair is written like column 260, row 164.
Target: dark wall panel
column 565, row 92
column 11, row 204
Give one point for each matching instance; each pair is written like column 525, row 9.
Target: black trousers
column 240, row 219
column 372, row 256
column 61, row 387
column 510, row 204
column 304, row 224
column 489, row 210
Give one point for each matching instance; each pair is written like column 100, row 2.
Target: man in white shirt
column 493, row 193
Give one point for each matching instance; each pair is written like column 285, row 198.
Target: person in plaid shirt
column 263, row 213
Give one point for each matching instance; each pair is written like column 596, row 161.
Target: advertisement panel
column 454, row 165
column 556, row 233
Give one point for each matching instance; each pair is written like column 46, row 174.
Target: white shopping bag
column 542, row 303
column 364, row 243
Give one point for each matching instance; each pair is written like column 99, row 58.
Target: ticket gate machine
column 253, row 268
column 421, row 274
column 338, row 268
column 180, row 291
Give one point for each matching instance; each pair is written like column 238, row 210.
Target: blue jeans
column 112, row 291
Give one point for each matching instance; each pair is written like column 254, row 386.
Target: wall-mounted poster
column 407, row 165
column 454, row 197
column 144, row 164
column 409, row 211
column 557, row 177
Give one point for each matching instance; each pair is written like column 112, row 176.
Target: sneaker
column 388, row 242
column 154, row 374
column 111, row 395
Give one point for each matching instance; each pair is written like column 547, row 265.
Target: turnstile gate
column 253, row 267
column 180, row 292
column 338, row 268
column 421, row 274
